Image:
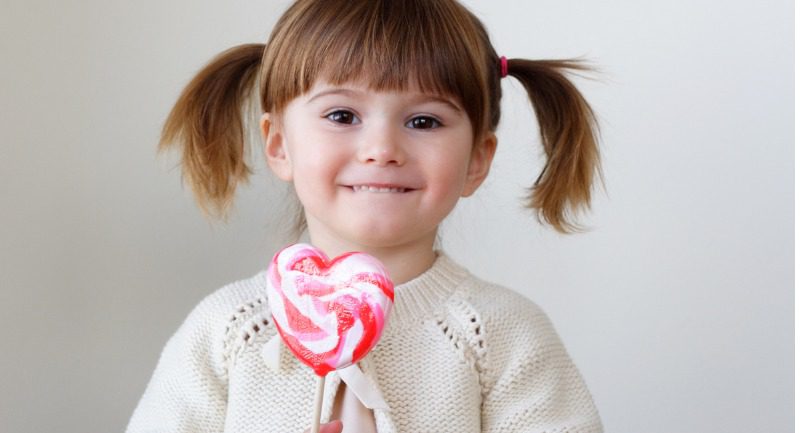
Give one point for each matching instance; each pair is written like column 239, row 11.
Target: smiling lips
column 367, row 188
column 376, row 187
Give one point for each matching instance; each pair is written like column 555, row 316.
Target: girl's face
column 375, row 169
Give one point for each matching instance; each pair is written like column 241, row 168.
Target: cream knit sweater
column 457, row 355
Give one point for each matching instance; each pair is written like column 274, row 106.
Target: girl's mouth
column 383, row 189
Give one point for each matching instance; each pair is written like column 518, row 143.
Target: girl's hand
column 331, row 427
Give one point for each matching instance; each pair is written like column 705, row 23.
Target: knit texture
column 458, row 354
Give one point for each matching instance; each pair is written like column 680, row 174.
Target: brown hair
column 437, row 45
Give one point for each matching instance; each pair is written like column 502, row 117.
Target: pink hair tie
column 503, row 66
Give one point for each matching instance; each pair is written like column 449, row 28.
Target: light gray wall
column 677, row 307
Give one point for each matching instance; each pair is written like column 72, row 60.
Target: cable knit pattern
column 457, row 355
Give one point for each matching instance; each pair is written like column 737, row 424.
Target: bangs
column 391, row 45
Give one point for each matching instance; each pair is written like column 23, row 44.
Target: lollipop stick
column 318, row 406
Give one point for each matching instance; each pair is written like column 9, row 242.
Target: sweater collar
column 419, row 297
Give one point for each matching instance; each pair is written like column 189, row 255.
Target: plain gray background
column 677, row 306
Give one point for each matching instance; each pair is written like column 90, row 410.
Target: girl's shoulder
column 515, row 346
column 497, row 322
column 201, row 347
column 497, row 304
column 520, row 358
column 216, row 323
column 232, row 299
column 238, row 310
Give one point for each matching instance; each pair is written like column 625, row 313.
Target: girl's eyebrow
column 420, row 98
column 439, row 99
column 334, row 91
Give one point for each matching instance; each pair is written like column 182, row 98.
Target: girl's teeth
column 362, row 188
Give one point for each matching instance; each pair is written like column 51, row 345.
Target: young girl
column 381, row 115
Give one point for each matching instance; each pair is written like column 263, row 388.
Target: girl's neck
column 403, row 262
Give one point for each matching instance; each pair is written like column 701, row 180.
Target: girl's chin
column 376, row 239
column 353, row 231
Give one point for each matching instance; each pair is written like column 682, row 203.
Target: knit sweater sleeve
column 188, row 390
column 530, row 383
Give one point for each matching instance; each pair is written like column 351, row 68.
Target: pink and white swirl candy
column 330, row 313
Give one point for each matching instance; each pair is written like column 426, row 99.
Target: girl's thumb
column 331, row 427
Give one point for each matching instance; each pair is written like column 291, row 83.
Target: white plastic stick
column 318, row 406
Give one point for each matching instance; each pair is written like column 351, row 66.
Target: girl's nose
column 382, row 147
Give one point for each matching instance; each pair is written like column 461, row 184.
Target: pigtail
column 568, row 130
column 206, row 124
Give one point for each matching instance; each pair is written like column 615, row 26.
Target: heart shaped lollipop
column 330, row 313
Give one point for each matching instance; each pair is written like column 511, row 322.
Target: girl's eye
column 424, row 122
column 342, row 116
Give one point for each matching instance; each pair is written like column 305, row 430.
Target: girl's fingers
column 331, row 427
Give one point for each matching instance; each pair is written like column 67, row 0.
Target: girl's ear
column 479, row 163
column 275, row 147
